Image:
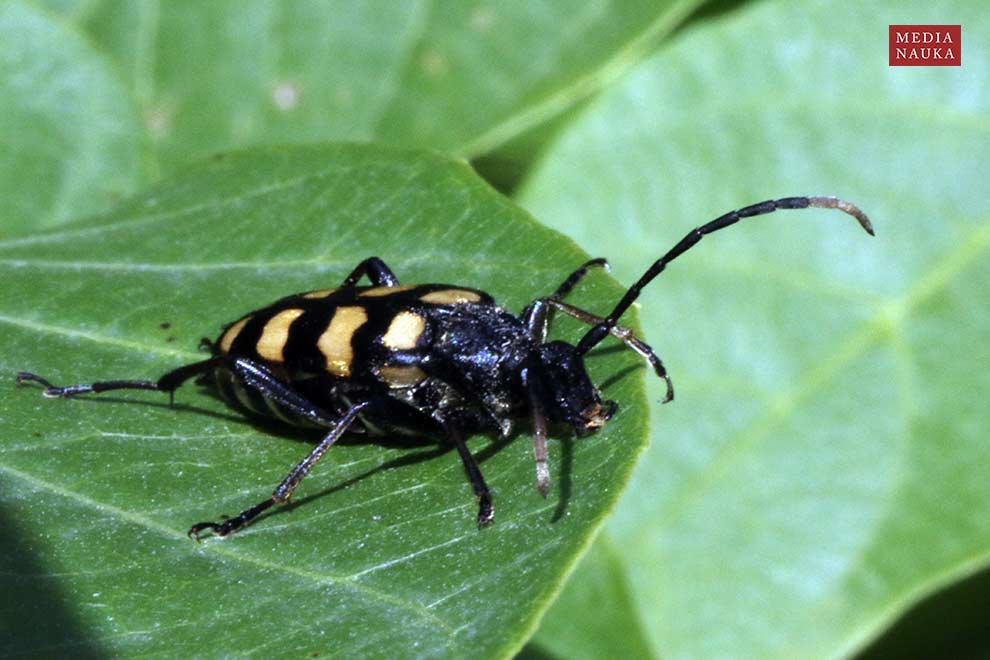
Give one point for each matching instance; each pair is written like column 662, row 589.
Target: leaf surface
column 825, row 462
column 378, row 553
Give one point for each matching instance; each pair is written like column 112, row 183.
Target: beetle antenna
column 600, row 331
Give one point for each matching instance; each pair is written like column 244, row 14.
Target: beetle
column 426, row 359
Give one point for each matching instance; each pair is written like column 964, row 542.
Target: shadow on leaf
column 36, row 620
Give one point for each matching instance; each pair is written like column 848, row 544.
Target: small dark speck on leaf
column 170, row 338
column 165, row 325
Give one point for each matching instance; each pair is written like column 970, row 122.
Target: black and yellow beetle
column 421, row 359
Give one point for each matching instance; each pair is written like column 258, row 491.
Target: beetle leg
column 259, row 377
column 623, row 334
column 486, row 512
column 568, row 284
column 540, row 445
column 375, row 269
column 539, row 435
column 167, row 383
column 284, row 490
column 536, row 316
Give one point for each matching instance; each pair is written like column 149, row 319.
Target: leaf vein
column 36, row 326
column 165, row 530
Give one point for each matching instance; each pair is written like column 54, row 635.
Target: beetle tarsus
column 486, row 511
column 52, row 391
column 230, row 525
column 543, row 477
column 194, row 531
column 215, row 529
column 28, row 377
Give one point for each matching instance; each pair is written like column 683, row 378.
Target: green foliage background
column 821, row 472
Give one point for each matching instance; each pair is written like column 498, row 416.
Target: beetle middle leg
column 376, row 270
column 486, row 511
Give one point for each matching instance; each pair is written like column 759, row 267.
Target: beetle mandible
column 423, row 359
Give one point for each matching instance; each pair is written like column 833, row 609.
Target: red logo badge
column 925, row 45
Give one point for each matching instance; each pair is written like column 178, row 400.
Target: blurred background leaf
column 379, row 553
column 824, row 465
column 455, row 76
column 71, row 135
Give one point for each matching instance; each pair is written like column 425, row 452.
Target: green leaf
column 613, row 630
column 455, row 76
column 825, row 463
column 71, row 135
column 379, row 553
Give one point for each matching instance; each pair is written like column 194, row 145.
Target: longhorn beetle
column 419, row 359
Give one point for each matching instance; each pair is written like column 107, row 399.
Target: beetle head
column 561, row 384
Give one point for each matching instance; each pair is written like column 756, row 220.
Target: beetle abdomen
column 252, row 400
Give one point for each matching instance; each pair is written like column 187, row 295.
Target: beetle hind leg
column 167, row 383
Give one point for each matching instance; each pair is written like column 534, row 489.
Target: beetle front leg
column 626, row 336
column 572, row 280
column 540, row 444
